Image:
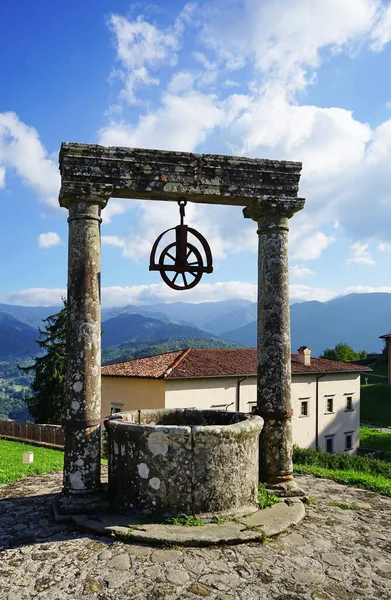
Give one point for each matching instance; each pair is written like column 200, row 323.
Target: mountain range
column 355, row 319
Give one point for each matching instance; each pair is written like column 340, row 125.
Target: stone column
column 274, row 352
column 81, row 484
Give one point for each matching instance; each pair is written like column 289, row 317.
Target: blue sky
column 303, row 80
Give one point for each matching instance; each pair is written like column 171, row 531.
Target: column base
column 65, row 506
column 286, row 489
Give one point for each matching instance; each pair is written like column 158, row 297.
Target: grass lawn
column 46, row 460
column 377, row 483
column 376, row 440
column 376, row 404
column 369, row 473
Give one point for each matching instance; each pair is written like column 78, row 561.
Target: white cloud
column 22, row 151
column 367, row 289
column 305, row 292
column 49, row 239
column 35, row 297
column 301, row 272
column 182, row 122
column 141, row 47
column 310, row 247
column 384, row 247
column 381, row 33
column 360, row 254
column 159, row 292
column 344, row 160
column 2, row 177
column 112, row 240
column 286, row 38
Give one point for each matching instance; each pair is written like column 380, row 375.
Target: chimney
column 304, row 356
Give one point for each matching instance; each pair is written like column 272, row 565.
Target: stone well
column 175, row 461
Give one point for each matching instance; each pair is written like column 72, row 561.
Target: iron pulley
column 182, row 263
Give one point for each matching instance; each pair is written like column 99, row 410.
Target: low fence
column 51, row 436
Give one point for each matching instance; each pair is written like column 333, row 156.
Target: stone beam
column 163, row 175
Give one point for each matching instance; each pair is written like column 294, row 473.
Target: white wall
column 201, row 393
column 208, row 392
column 221, row 392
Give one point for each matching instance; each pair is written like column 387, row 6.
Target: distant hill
column 197, row 314
column 355, row 319
column 17, row 340
column 240, row 316
column 109, row 313
column 31, row 315
column 130, row 350
column 131, row 327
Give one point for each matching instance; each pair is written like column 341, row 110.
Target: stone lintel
column 164, row 175
column 268, row 206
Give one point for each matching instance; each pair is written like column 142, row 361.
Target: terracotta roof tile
column 150, row 366
column 214, row 363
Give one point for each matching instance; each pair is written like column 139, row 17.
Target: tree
column 47, row 405
column 343, row 353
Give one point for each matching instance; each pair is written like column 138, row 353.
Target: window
column 349, row 440
column 329, row 443
column 349, row 402
column 304, row 408
column 329, row 405
column 116, row 408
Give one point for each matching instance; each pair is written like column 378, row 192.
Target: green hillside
column 130, row 350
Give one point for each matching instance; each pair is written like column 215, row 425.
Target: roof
column 190, row 363
column 386, row 336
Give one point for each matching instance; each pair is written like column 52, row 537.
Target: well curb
column 256, row 528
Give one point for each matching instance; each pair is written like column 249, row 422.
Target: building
column 325, row 393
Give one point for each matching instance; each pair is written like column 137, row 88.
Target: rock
column 121, row 561
column 91, row 586
column 385, row 567
column 198, row 589
column 331, row 558
column 163, row 556
column 308, row 578
column 177, row 577
column 220, row 581
column 116, row 578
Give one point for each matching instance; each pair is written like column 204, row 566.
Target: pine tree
column 47, row 404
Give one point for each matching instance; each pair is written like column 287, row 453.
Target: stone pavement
column 334, row 554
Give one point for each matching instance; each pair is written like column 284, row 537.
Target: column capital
column 87, row 193
column 272, row 206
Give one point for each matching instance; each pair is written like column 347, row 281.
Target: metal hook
column 182, row 203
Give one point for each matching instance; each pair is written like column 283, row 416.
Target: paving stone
column 194, row 565
column 220, row 581
column 331, row 558
column 163, row 556
column 385, row 567
column 295, row 539
column 308, row 578
column 116, row 578
column 323, row 558
column 121, row 561
column 152, row 572
column 198, row 590
column 177, row 577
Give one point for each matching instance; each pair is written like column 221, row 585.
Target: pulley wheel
column 185, row 278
